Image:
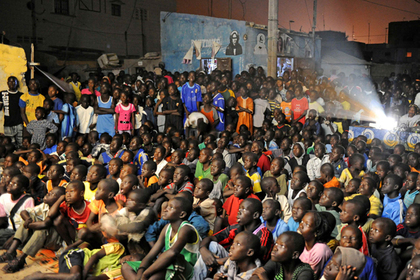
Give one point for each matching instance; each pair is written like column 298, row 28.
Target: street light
column 290, row 24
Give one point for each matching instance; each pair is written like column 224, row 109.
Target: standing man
column 191, row 95
column 13, row 126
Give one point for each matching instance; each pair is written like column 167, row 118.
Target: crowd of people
column 196, row 176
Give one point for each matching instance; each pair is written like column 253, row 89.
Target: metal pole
column 272, row 37
column 368, row 32
column 314, row 26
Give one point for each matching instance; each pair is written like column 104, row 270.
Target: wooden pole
column 272, row 38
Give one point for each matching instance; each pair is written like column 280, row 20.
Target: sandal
column 6, row 257
column 14, row 265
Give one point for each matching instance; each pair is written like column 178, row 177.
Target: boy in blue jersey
column 191, row 95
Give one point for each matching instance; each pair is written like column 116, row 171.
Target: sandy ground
column 30, row 268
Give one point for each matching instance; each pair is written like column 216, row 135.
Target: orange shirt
column 414, row 170
column 334, row 183
column 209, row 115
column 98, row 207
column 286, row 108
column 50, row 186
column 39, row 163
column 150, row 181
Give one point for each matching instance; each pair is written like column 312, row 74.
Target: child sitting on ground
column 214, row 249
column 192, row 159
column 383, row 169
column 327, row 176
column 7, row 176
column 250, row 165
column 12, row 204
column 314, row 164
column 96, row 173
column 114, row 168
column 40, row 127
column 414, row 162
column 219, row 179
column 330, row 201
column 345, row 259
column 129, row 183
column 394, row 207
column 55, row 175
column 314, row 192
column 367, row 188
column 352, row 189
column 180, row 241
column 262, row 160
column 271, row 188
column 79, row 173
column 42, row 237
column 300, row 207
column 36, row 187
column 148, row 176
column 236, row 170
column 243, row 258
column 104, row 203
column 271, row 218
column 297, row 186
column 409, row 231
column 277, row 171
column 337, row 161
column 411, row 189
column 243, row 190
column 285, row 260
column 203, row 204
column 356, row 163
column 388, row 262
column 203, row 165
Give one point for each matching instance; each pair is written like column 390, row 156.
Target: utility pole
column 386, row 33
column 273, row 10
column 314, row 27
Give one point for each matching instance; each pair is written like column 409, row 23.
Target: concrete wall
column 179, row 30
column 94, row 30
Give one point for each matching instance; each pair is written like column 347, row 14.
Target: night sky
column 339, row 15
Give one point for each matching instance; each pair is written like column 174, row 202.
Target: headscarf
column 299, row 160
column 351, row 256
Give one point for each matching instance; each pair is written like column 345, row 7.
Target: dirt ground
column 30, row 268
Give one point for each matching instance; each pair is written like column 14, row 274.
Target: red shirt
column 74, row 217
column 299, row 107
column 263, row 163
column 231, row 206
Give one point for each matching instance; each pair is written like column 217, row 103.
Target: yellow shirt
column 256, row 181
column 32, row 101
column 346, row 176
column 375, row 206
column 76, row 88
column 89, row 194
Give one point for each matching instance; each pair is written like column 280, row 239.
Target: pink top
column 316, row 257
column 124, row 120
column 87, row 92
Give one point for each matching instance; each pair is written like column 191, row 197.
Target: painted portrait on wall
column 234, row 48
column 260, row 47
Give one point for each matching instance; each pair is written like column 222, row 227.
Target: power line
column 307, row 12
column 390, row 7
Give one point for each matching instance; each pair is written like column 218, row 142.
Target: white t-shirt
column 84, row 118
column 193, row 119
column 7, row 204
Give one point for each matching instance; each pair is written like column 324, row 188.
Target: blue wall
column 178, row 31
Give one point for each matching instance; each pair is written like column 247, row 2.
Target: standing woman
column 105, row 109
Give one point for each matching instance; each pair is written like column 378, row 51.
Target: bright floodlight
column 385, row 123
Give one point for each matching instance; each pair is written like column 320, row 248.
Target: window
column 90, row 5
column 116, row 10
column 27, row 39
column 409, row 54
column 61, row 7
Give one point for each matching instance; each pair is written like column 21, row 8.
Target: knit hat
column 353, row 257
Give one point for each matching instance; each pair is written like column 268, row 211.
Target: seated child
column 285, row 260
column 383, row 169
column 410, row 185
column 337, row 161
column 271, row 188
column 42, row 237
column 316, row 230
column 75, row 263
column 7, row 176
column 55, row 175
column 262, row 160
column 38, row 128
column 128, row 168
column 192, row 159
column 300, row 207
column 50, row 142
column 388, row 262
column 214, row 249
column 330, row 202
column 70, row 212
column 129, row 183
column 148, row 174
column 277, row 171
column 36, row 188
column 327, row 176
column 159, row 159
column 243, row 258
column 243, row 190
column 140, row 156
column 203, row 204
column 35, row 156
column 394, row 207
column 132, row 221
column 345, row 259
column 219, row 179
column 300, row 157
column 79, row 172
column 234, row 172
column 104, row 203
column 367, row 188
column 180, row 182
column 176, row 158
column 414, row 162
column 179, row 239
column 271, row 218
column 203, row 165
column 297, row 186
column 12, row 204
column 156, row 189
column 114, row 150
column 352, row 188
column 409, row 231
column 314, row 164
column 70, row 164
column 356, row 163
column 314, row 192
column 114, row 169
column 96, row 173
